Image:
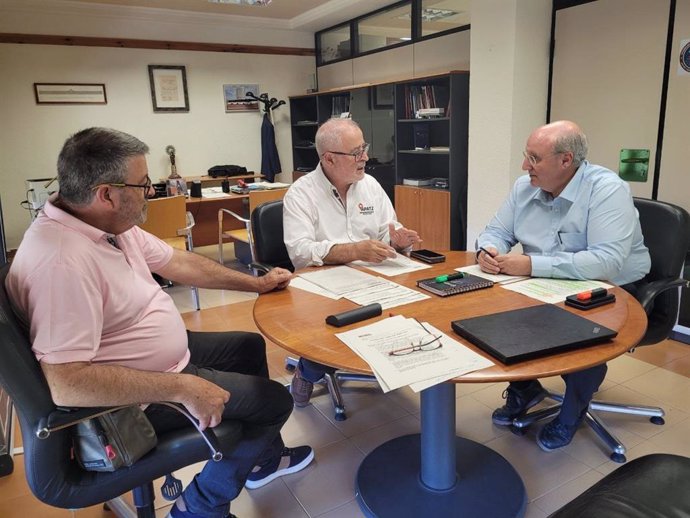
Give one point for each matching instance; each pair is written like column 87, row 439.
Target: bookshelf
column 433, row 148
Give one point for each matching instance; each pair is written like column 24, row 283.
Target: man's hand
column 513, row 264
column 403, row 238
column 487, row 261
column 276, row 279
column 372, row 251
column 204, row 400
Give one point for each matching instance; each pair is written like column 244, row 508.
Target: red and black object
column 590, row 299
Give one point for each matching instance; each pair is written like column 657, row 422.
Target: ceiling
column 310, row 15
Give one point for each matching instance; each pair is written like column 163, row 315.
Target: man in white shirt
column 338, row 214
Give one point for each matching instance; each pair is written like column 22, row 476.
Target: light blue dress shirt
column 590, row 231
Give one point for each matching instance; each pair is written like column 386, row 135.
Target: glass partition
column 334, row 44
column 444, row 15
column 385, row 28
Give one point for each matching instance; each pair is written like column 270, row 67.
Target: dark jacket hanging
column 270, row 161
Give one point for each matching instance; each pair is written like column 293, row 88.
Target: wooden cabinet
column 428, row 212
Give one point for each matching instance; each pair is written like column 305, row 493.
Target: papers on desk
column 213, row 192
column 304, row 284
column 362, row 288
column 390, row 267
column 418, row 369
column 553, row 291
column 267, row 185
column 498, row 278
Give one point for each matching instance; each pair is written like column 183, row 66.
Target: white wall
column 32, row 135
column 607, row 76
column 508, row 91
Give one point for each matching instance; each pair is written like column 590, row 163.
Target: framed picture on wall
column 168, row 88
column 383, row 97
column 237, row 100
column 70, row 93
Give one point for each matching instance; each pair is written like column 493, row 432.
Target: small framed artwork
column 168, row 88
column 70, row 93
column 237, row 100
column 383, row 97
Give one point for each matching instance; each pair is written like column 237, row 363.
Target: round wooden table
column 436, row 473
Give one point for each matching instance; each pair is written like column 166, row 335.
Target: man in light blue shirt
column 574, row 220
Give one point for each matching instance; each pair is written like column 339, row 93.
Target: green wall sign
column 634, row 164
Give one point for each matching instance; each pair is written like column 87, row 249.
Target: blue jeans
column 312, row 371
column 235, row 361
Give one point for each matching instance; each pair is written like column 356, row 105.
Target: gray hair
column 92, row 157
column 574, row 142
column 329, row 135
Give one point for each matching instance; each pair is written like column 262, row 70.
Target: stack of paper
column 420, row 369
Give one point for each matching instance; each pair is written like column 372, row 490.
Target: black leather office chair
column 656, row 485
column 53, row 476
column 666, row 231
column 269, row 247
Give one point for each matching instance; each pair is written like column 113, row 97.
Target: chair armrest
column 190, row 224
column 260, row 268
column 648, row 292
column 234, row 214
column 66, row 417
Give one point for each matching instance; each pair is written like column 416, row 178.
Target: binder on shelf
column 453, row 287
column 419, row 182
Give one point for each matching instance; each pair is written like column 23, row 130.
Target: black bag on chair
column 113, row 440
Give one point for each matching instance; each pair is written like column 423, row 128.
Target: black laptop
column 523, row 334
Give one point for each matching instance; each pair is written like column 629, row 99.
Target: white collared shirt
column 315, row 219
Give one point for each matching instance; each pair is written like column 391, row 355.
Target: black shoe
column 556, row 435
column 518, row 402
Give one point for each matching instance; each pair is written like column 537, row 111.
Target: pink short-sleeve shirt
column 86, row 300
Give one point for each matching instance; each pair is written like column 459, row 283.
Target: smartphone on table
column 427, row 256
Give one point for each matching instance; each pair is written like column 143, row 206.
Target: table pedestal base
column 389, row 485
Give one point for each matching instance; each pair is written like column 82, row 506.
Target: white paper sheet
column 304, row 284
column 553, row 291
column 213, row 192
column 390, row 267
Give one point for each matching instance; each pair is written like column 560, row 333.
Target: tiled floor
column 658, row 375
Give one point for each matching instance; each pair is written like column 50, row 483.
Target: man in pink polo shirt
column 105, row 334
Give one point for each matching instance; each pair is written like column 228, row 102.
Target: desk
column 210, row 181
column 205, row 212
column 436, row 473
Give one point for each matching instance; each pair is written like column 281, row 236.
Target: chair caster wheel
column 340, row 415
column 289, row 367
column 657, row 420
column 618, row 457
column 518, row 431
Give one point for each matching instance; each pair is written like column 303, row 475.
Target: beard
column 133, row 212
